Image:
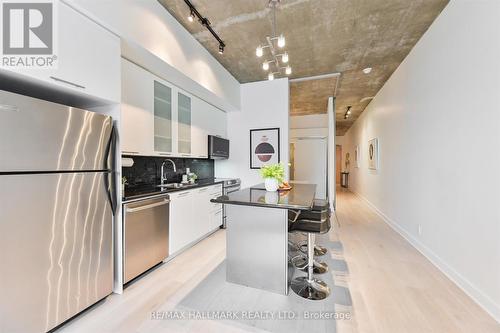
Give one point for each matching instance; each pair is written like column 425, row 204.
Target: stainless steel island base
column 257, row 248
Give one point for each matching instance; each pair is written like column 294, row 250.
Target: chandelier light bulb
column 281, row 41
column 191, row 17
column 270, row 76
column 288, row 70
column 284, row 57
column 265, row 66
column 259, row 52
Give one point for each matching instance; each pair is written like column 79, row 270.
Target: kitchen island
column 257, row 235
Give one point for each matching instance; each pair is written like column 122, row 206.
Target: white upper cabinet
column 207, row 120
column 137, row 122
column 163, row 119
column 159, row 119
column 88, row 57
column 199, row 131
column 184, row 124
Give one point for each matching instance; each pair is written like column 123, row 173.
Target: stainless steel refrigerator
column 56, row 212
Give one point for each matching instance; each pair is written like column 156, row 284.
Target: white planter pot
column 272, row 198
column 271, row 184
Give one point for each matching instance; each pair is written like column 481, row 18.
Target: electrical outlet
column 420, row 230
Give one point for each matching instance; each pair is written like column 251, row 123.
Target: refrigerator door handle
column 110, row 166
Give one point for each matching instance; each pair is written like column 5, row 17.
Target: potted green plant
column 124, row 182
column 273, row 176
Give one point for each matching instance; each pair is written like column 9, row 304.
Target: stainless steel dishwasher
column 145, row 229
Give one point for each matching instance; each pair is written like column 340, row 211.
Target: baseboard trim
column 484, row 301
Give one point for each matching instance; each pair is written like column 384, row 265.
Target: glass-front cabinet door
column 184, row 124
column 163, row 138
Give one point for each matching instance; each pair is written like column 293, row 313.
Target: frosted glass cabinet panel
column 162, row 118
column 184, row 124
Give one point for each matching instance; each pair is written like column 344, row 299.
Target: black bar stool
column 320, row 207
column 308, row 286
column 301, row 261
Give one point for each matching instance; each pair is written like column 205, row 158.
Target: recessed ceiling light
column 367, row 70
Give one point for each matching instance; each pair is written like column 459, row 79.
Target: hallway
column 394, row 288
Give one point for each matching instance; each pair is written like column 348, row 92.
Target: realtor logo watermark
column 28, row 34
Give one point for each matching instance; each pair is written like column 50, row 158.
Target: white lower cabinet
column 192, row 215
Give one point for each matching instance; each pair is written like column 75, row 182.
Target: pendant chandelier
column 278, row 60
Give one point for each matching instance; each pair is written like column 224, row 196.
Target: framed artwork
column 373, row 154
column 264, row 147
column 356, row 156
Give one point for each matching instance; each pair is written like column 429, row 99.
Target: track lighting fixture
column 348, row 112
column 194, row 13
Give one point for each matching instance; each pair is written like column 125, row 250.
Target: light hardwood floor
column 393, row 287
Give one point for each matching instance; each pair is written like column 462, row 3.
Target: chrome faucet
column 163, row 179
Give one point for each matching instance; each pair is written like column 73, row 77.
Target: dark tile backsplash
column 146, row 170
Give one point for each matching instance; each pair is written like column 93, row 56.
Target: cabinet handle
column 138, row 209
column 5, row 107
column 165, row 154
column 183, row 194
column 67, row 82
column 203, row 189
column 186, row 155
column 130, row 152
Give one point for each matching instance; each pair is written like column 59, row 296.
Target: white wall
column 438, row 123
column 264, row 104
column 308, row 132
column 310, row 125
column 150, row 25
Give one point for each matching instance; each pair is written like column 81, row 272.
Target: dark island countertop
column 147, row 190
column 300, row 197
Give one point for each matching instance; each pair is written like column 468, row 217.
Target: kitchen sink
column 175, row 185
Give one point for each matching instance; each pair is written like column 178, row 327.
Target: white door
column 310, row 163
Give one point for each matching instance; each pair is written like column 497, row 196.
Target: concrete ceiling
column 322, row 37
column 311, row 96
